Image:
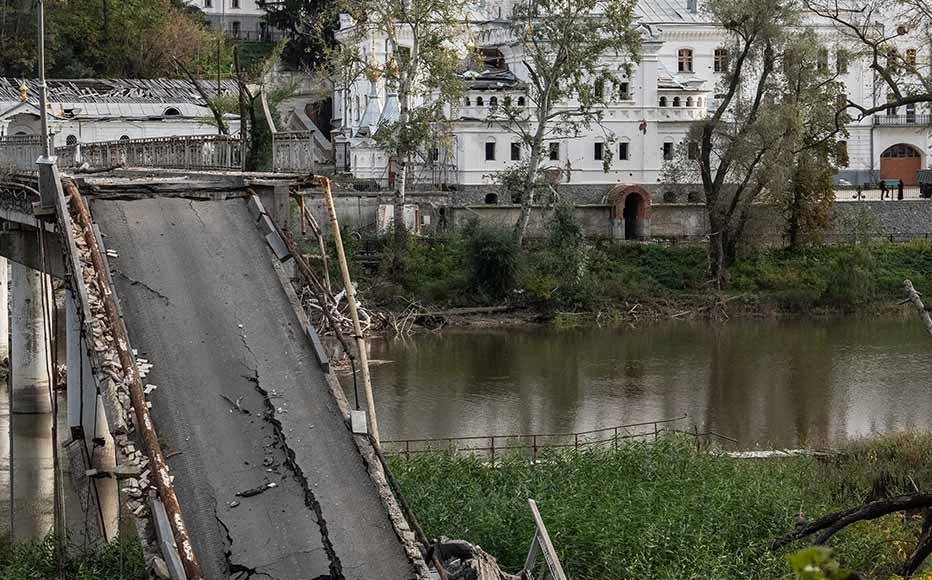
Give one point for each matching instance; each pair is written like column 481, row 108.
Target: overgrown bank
column 481, row 267
column 666, row 512
column 39, row 560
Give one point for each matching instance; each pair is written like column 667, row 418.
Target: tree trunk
column 718, row 247
column 527, row 198
column 401, row 232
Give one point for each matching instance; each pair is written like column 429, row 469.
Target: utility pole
column 222, row 31
column 43, row 87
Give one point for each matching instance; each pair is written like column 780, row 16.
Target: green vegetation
column 664, row 511
column 480, row 266
column 121, row 560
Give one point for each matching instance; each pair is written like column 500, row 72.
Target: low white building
column 95, row 110
column 682, row 60
column 239, row 19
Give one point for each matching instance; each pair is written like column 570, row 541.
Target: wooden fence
column 18, row 153
column 182, row 152
column 532, row 444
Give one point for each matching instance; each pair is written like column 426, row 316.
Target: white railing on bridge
column 296, row 152
column 18, row 153
column 182, row 152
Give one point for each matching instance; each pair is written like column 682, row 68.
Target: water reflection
column 781, row 383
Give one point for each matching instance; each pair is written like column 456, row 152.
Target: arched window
column 721, row 60
column 491, row 198
column 663, row 101
column 911, row 56
column 676, row 101
column 520, row 101
column 71, row 140
column 685, row 60
column 171, row 112
column 689, row 101
column 599, row 89
column 466, row 102
column 899, row 151
column 822, row 60
column 841, row 61
column 479, row 102
column 699, row 102
column 124, row 137
column 493, row 102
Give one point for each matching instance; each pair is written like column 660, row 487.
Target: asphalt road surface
column 239, row 393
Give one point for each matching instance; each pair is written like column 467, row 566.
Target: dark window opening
column 491, row 198
column 554, row 149
column 516, row 152
column 597, row 151
column 490, row 151
column 668, row 151
column 623, row 151
column 693, row 151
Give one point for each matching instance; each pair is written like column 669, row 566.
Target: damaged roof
column 491, row 79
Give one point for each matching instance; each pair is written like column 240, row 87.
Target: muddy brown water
column 765, row 383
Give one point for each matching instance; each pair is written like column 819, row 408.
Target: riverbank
column 120, row 560
column 663, row 511
column 604, row 282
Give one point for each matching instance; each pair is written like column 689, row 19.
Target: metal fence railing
column 18, row 153
column 187, row 152
column 296, row 152
column 532, row 444
column 893, row 120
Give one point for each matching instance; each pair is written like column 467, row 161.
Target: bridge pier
column 32, row 470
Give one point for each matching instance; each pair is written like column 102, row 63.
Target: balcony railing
column 907, row 120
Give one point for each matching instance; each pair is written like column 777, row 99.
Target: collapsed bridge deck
column 241, row 401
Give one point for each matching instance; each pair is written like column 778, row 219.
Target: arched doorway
column 901, row 161
column 630, row 213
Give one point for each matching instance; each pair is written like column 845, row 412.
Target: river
column 782, row 383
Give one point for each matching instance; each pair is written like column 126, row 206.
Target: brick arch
column 631, row 229
column 619, row 194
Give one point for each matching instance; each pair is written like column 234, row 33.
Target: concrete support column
column 4, row 310
column 32, row 467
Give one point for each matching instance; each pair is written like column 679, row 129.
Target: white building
column 94, row 110
column 240, row 19
column 683, row 57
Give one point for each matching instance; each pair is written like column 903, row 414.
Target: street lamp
column 43, row 87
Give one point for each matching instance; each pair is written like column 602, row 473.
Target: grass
column 602, row 277
column 120, row 560
column 663, row 511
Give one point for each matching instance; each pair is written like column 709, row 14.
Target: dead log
column 915, row 298
column 832, row 523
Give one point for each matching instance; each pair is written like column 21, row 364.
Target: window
column 668, row 151
column 689, row 101
column 841, row 61
column 520, row 101
column 516, row 151
column 597, row 151
column 891, row 108
column 208, row 3
column 623, row 93
column 71, row 140
column 911, row 56
column 554, row 151
column 434, row 154
column 698, row 101
column 507, row 102
column 124, row 137
column 841, row 153
column 600, row 89
column 822, row 60
column 623, row 151
column 911, row 113
column 479, row 102
column 490, row 150
column 235, row 27
column 490, row 199
column 685, row 60
column 356, row 104
column 466, row 102
column 234, row 4
column 171, row 112
column 899, row 151
column 721, row 60
column 692, row 151
column 663, row 101
column 676, row 101
column 493, row 102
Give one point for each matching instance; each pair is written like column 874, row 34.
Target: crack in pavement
column 197, row 214
column 134, row 282
column 336, row 567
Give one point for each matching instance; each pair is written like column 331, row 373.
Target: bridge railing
column 532, row 444
column 295, row 152
column 18, row 153
column 183, row 152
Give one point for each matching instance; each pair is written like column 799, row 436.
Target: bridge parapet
column 184, row 152
column 18, row 153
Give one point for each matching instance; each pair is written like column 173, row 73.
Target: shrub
column 491, row 259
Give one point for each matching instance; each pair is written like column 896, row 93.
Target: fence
column 533, row 443
column 296, row 152
column 188, row 152
column 19, row 153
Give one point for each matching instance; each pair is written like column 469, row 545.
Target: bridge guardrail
column 296, row 152
column 182, row 152
column 18, row 153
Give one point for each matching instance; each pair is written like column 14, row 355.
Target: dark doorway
column 631, row 215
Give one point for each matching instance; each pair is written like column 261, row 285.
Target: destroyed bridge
column 196, row 402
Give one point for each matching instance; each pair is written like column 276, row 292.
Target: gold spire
column 23, row 92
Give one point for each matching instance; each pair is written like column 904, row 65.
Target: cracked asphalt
column 243, row 399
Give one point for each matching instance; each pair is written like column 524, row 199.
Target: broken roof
column 491, row 79
column 130, row 91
